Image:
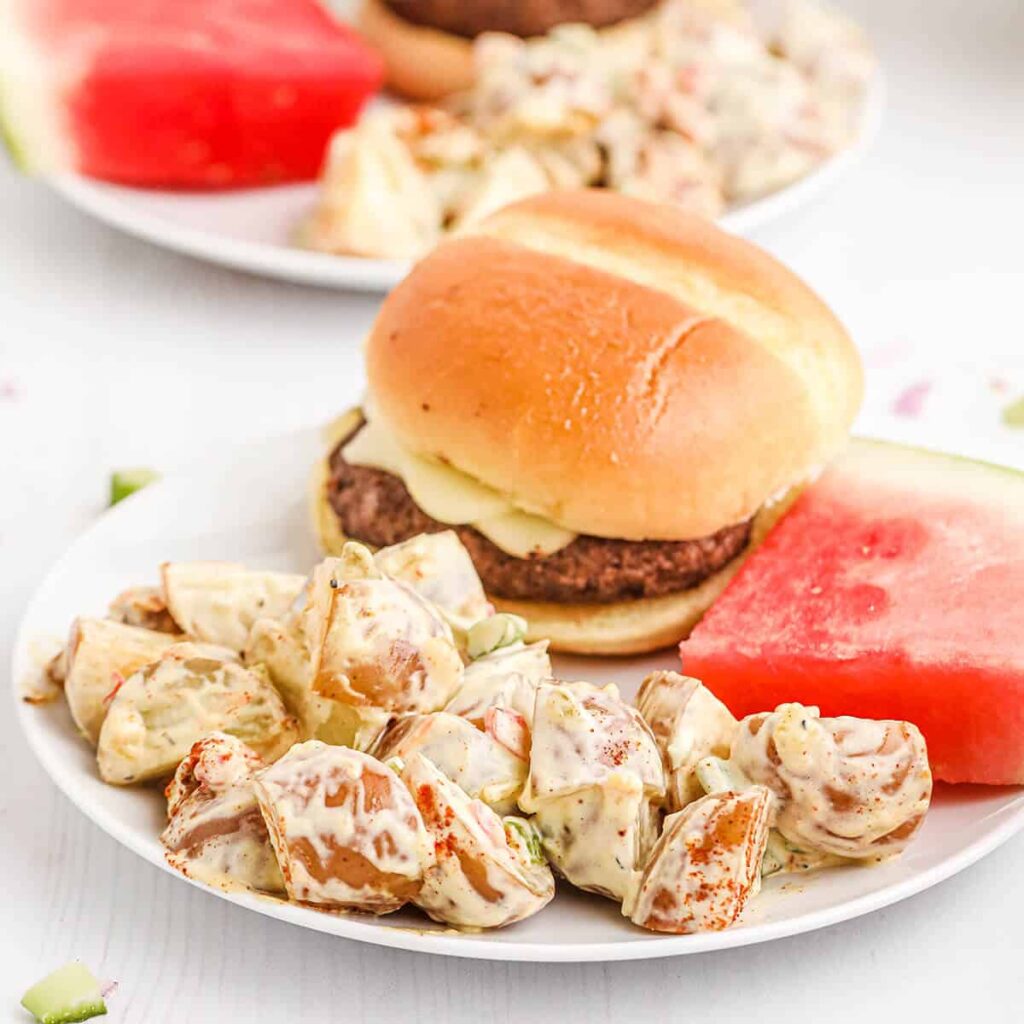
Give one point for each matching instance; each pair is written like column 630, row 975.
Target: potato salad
column 704, row 104
column 373, row 735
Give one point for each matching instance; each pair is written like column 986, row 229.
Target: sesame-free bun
column 623, row 369
column 420, row 62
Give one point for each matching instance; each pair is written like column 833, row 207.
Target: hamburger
column 608, row 400
column 427, row 44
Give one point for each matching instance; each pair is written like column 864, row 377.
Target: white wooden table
column 113, row 354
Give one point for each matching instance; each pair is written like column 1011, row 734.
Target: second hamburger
column 607, row 400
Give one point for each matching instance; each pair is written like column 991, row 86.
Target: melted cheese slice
column 454, row 498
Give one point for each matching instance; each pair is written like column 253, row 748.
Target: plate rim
column 67, row 779
column 355, row 273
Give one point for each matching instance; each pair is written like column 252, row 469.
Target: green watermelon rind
column 982, row 468
column 29, row 115
column 8, row 137
column 940, row 455
column 9, row 45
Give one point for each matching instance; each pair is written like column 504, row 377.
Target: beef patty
column 525, row 18
column 374, row 506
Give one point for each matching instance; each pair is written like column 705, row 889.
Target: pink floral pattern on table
column 972, row 405
column 910, row 401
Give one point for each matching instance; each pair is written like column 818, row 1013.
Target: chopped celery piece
column 496, row 631
column 68, row 995
column 124, row 482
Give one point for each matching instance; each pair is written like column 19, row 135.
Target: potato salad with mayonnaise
column 705, row 104
column 373, row 735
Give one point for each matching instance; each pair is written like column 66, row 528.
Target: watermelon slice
column 894, row 588
column 178, row 93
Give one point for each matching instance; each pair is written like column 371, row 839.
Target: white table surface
column 113, row 353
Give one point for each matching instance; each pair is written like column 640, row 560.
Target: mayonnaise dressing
column 582, row 736
column 277, row 644
column 599, row 835
column 438, row 567
column 145, row 607
column 216, row 833
column 374, row 641
column 166, row 707
column 689, row 723
column 506, row 678
column 101, row 652
column 595, row 781
column 280, row 647
column 479, row 879
column 850, row 787
column 376, row 201
column 344, row 827
column 705, row 866
column 474, row 760
column 218, row 602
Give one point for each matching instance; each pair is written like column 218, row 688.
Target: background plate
column 252, row 508
column 251, row 230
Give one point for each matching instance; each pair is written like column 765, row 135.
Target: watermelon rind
column 933, row 453
column 941, row 473
column 30, row 122
column 14, row 151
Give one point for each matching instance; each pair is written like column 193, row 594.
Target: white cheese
column 452, row 497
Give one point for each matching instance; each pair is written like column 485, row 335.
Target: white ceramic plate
column 253, row 509
column 252, row 230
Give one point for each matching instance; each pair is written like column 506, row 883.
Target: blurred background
column 113, row 352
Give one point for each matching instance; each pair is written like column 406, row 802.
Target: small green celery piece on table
column 127, row 481
column 68, row 995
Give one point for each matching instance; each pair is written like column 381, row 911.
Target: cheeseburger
column 427, row 45
column 606, row 399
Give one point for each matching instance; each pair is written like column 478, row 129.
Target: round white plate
column 253, row 509
column 252, row 230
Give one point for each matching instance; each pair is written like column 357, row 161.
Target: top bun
column 624, row 369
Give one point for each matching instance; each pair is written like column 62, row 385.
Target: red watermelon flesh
column 894, row 588
column 179, row 93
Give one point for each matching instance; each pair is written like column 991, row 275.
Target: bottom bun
column 421, row 63
column 326, row 527
column 621, row 627
column 645, row 624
